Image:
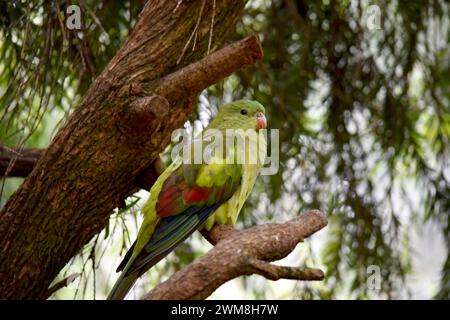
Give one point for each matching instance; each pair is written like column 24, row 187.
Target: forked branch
column 245, row 252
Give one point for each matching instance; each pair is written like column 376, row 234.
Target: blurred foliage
column 363, row 113
column 46, row 67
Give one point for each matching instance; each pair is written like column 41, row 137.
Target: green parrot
column 188, row 196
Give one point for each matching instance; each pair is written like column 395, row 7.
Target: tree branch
column 245, row 252
column 20, row 162
column 215, row 66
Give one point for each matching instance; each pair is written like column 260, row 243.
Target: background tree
column 363, row 116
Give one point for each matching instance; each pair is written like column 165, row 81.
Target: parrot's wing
column 187, row 198
column 197, row 185
column 169, row 233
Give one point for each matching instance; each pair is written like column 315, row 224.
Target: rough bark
column 123, row 122
column 245, row 252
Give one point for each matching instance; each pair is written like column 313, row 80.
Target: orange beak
column 261, row 121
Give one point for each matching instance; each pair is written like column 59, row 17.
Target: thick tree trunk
column 123, row 122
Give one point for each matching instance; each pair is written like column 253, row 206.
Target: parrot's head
column 242, row 114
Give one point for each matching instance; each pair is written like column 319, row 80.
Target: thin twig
column 211, row 28
column 194, row 33
column 275, row 272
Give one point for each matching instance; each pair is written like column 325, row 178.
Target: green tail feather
column 123, row 285
column 171, row 231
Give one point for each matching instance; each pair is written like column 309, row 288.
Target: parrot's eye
column 244, row 112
